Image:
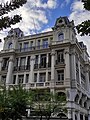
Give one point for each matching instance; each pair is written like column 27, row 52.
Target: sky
column 40, row 16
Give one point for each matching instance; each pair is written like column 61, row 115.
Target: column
column 78, row 115
column 0, row 68
column 73, row 114
column 24, row 81
column 0, row 64
column 73, row 69
column 83, row 116
column 52, row 67
column 47, row 69
column 10, row 70
column 32, row 67
column 79, row 71
column 38, row 66
column 18, row 62
column 87, row 78
column 67, row 67
column 69, row 114
column 16, row 79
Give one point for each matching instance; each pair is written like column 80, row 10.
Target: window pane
column 61, row 36
column 45, row 43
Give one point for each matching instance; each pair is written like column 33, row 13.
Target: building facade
column 53, row 60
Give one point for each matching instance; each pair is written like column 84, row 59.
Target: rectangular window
column 22, row 61
column 20, row 79
column 5, row 63
column 45, row 43
column 60, row 57
column 27, row 78
column 31, row 45
column 26, row 45
column 49, row 76
column 36, row 59
column 3, row 80
column 38, row 44
column 42, row 77
column 43, row 61
column 14, row 79
column 35, row 77
column 20, row 46
column 60, row 75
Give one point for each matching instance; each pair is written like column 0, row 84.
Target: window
column 10, row 45
column 5, row 63
column 3, row 80
column 60, row 75
column 43, row 60
column 22, row 61
column 60, row 36
column 36, row 59
column 60, row 57
column 27, row 78
column 31, row 45
column 26, row 44
column 49, row 76
column 45, row 43
column 42, row 77
column 35, row 77
column 14, row 79
column 38, row 44
column 20, row 79
column 20, row 46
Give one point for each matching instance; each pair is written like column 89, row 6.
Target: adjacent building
column 53, row 60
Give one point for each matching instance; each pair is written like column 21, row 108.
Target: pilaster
column 67, row 67
column 32, row 67
column 10, row 70
column 52, row 68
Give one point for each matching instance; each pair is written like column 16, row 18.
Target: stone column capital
column 53, row 53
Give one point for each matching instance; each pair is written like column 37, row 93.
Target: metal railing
column 22, row 68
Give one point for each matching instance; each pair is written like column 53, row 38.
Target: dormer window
column 10, row 45
column 60, row 36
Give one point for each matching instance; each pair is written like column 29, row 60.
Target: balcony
column 38, row 66
column 22, row 68
column 46, row 85
column 33, row 48
column 4, row 68
column 62, row 61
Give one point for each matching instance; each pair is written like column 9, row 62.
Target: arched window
column 10, row 45
column 60, row 36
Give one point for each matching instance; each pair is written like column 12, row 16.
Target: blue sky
column 40, row 15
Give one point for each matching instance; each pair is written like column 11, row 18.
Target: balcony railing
column 22, row 68
column 33, row 48
column 46, row 65
column 60, row 61
column 4, row 68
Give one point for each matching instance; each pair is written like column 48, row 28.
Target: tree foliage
column 6, row 21
column 84, row 27
column 15, row 100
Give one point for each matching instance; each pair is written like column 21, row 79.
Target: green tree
column 46, row 104
column 84, row 27
column 6, row 21
column 13, row 103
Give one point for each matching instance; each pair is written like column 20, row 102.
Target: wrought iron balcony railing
column 21, row 68
column 33, row 48
column 61, row 61
column 46, row 65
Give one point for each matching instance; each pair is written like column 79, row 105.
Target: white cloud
column 64, row 3
column 34, row 15
column 79, row 14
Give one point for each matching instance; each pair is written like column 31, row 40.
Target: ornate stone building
column 52, row 60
